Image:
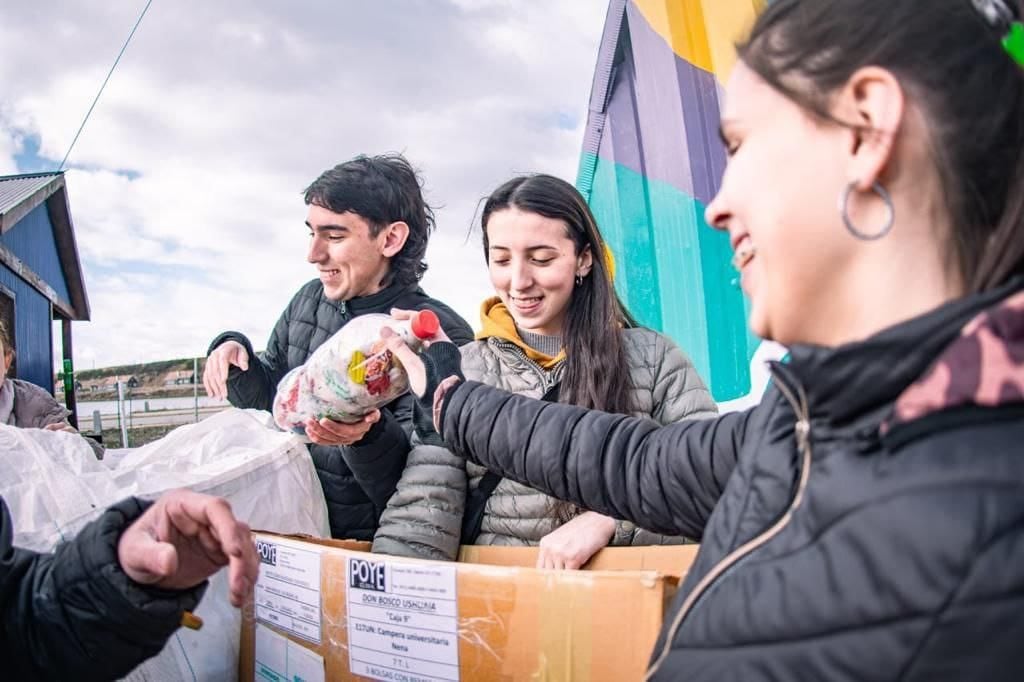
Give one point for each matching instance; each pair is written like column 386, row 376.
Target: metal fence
column 129, row 416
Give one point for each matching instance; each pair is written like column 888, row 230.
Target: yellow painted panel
column 702, row 32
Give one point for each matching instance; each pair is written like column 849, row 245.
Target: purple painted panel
column 662, row 118
column 621, row 141
column 701, row 114
column 606, row 57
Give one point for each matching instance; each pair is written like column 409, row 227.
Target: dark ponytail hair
column 952, row 63
column 596, row 373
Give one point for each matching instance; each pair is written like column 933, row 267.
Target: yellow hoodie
column 497, row 322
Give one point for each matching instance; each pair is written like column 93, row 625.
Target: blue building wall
column 31, row 240
column 33, row 330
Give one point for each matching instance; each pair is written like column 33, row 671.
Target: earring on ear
column 844, row 212
column 579, row 279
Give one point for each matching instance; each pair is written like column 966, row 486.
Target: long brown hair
column 5, row 339
column 596, row 314
column 596, row 373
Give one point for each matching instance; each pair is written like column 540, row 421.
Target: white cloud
column 186, row 183
column 9, row 146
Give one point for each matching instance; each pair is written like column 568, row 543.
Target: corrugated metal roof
column 599, row 92
column 16, row 188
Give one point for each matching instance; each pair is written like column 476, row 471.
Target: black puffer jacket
column 74, row 614
column 358, row 480
column 865, row 522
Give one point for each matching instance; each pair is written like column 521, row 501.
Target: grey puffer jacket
column 36, row 408
column 358, row 480
column 424, row 517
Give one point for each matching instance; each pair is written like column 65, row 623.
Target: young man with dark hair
column 368, row 228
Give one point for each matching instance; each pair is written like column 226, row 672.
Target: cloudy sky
column 185, row 185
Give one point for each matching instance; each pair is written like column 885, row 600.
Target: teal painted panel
column 674, row 221
column 675, row 273
column 725, row 312
column 619, row 202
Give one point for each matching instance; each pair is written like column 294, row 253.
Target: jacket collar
column 982, row 367
column 852, row 380
column 380, row 302
column 497, row 322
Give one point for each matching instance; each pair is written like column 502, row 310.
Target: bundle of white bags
column 54, row 485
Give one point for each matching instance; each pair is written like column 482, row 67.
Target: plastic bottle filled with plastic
column 351, row 374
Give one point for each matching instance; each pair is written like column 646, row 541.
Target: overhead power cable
column 105, row 80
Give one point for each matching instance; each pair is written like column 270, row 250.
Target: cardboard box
column 330, row 610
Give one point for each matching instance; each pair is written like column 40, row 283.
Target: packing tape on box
column 565, row 644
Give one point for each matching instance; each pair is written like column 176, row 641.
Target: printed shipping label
column 402, row 621
column 287, row 593
column 278, row 659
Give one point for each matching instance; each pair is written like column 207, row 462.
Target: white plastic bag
column 54, row 486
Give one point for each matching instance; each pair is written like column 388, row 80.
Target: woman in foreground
column 866, row 521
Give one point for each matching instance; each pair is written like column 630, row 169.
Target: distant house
column 92, row 385
column 40, row 272
column 110, row 383
column 179, row 378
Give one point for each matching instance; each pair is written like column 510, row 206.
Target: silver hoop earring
column 844, row 199
column 579, row 280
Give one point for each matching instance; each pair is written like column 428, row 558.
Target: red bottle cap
column 425, row 324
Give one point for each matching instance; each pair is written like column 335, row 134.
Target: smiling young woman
column 555, row 330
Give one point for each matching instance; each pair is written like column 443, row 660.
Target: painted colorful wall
column 651, row 162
